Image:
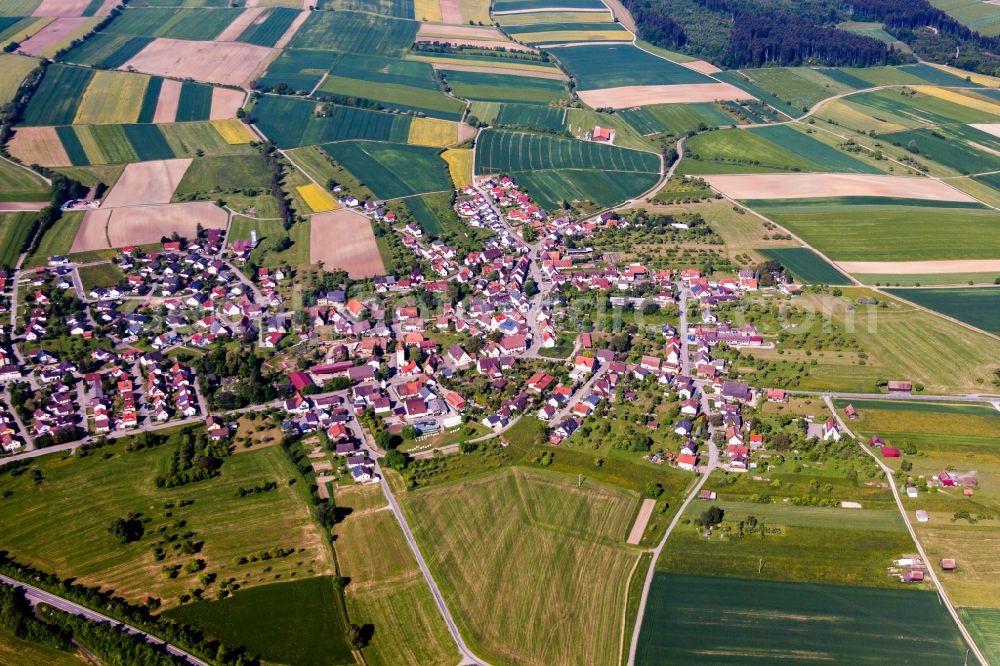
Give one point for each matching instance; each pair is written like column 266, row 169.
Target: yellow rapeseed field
column 317, row 198
column 427, row 10
column 958, row 98
column 459, row 166
column 233, row 131
column 432, row 132
column 112, row 98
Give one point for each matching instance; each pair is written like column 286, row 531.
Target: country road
column 36, row 596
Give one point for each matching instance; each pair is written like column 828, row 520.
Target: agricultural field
column 20, row 184
column 295, row 622
column 393, row 171
column 271, row 28
column 242, row 182
column 984, row 625
column 57, row 240
column 491, row 87
column 792, row 622
column 435, row 133
column 675, row 119
column 554, row 169
column 619, row 65
column 13, row 70
column 56, row 35
column 14, row 231
column 71, row 538
column 789, row 89
column 298, row 69
column 106, row 50
column 806, row 265
column 328, row 246
column 192, row 23
column 517, row 582
column 459, row 166
column 550, row 34
column 866, row 235
column 292, row 123
column 979, row 307
column 531, row 117
column 107, row 228
column 983, row 17
column 355, row 32
column 386, row 588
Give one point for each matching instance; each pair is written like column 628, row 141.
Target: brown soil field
column 451, row 12
column 343, row 239
column 458, row 67
column 166, row 103
column 629, row 96
column 51, row 34
column 143, row 225
column 292, row 29
column 225, row 101
column 702, row 66
column 943, row 267
column 61, row 8
column 639, row 526
column 226, row 63
column 38, row 145
column 145, row 183
column 240, row 23
column 815, row 185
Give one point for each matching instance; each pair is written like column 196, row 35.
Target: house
column 851, row 412
column 584, row 365
column 683, row 428
column 777, row 395
column 601, row 135
column 890, row 452
column 736, row 391
column 948, row 564
column 706, row 495
column 687, row 462
column 896, row 386
column 539, row 382
column 415, row 407
column 831, row 430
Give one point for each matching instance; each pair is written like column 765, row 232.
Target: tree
column 653, row 489
column 358, row 636
column 711, row 517
column 127, row 529
column 396, row 459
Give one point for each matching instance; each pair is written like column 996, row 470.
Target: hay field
column 233, row 131
column 144, row 225
column 387, row 588
column 318, row 199
column 38, row 145
column 628, row 96
column 516, row 555
column 112, row 97
column 145, row 183
column 343, row 240
column 225, row 63
column 809, row 186
column 432, row 132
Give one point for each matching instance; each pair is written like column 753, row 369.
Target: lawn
column 979, row 307
column 393, row 171
column 14, row 230
column 49, row 527
column 101, row 275
column 892, row 233
column 298, row 622
column 690, row 619
column 386, row 587
column 516, row 559
column 806, row 265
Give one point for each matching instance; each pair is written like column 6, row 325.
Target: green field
column 386, row 587
column 14, row 230
column 806, row 265
column 393, row 171
column 395, row 8
column 983, row 17
column 399, row 84
column 20, row 184
column 516, row 554
column 531, row 116
column 291, row 123
column 298, row 622
column 979, row 307
column 195, row 102
column 355, row 32
column 49, row 526
column 219, row 174
column 485, row 87
column 790, row 89
column 298, row 69
column 951, row 147
column 194, row 23
column 694, row 620
column 553, row 169
column 107, row 50
column 271, row 29
column 611, row 66
column 984, row 625
column 101, row 275
column 57, row 240
column 892, row 233
column 675, row 118
column 56, row 100
column 13, row 70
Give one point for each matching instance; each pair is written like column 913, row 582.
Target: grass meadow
column 517, row 558
column 62, row 524
column 979, row 307
column 806, row 265
column 385, row 585
column 14, row 230
column 20, row 184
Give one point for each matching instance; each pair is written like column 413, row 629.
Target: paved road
column 913, row 534
column 36, row 596
column 467, row 655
